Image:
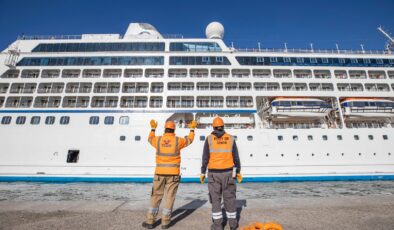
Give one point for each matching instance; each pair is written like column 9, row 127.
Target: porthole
column 94, row 120
column 339, row 137
column 21, row 120
column 35, row 120
column 109, row 120
column 374, row 154
column 325, row 137
column 342, row 154
column 295, row 138
column 310, row 137
column 370, row 137
column 64, row 120
column 266, row 155
column 6, row 120
column 251, row 155
column 202, row 138
column 50, row 120
column 313, row 154
column 385, row 137
column 389, row 154
column 356, row 137
column 280, row 138
column 250, row 138
column 297, row 154
column 328, row 154
column 122, row 138
column 282, row 155
column 137, row 138
column 359, row 154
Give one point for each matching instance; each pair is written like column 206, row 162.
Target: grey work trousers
column 222, row 184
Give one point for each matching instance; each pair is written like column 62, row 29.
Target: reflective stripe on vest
column 168, row 165
column 211, row 150
column 173, row 154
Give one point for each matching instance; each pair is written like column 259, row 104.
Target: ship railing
column 326, row 51
column 49, row 37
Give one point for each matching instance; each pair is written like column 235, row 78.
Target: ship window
column 339, row 137
column 310, row 137
column 50, row 120
column 94, row 120
column 202, row 138
column 385, row 137
column 6, row 120
column 370, row 137
column 324, row 60
column 300, row 60
column 122, row 138
column 367, row 61
column 260, row 59
column 324, row 137
column 124, row 120
column 35, row 120
column 379, row 61
column 313, row 154
column 341, row 60
column 20, row 120
column 219, row 59
column 354, row 61
column 359, row 154
column 109, row 120
column 295, row 138
column 313, row 60
column 72, row 156
column 64, row 120
column 273, row 59
column 356, row 137
column 206, row 59
column 280, row 138
column 137, row 138
column 250, row 138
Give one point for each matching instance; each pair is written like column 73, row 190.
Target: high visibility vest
column 168, row 159
column 220, row 150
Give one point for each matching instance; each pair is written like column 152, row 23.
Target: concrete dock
column 370, row 209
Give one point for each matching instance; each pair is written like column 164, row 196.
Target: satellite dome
column 214, row 30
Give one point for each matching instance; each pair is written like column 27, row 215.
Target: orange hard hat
column 169, row 125
column 218, row 122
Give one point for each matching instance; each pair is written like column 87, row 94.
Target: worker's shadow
column 184, row 211
column 239, row 204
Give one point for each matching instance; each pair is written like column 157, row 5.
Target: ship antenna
column 390, row 42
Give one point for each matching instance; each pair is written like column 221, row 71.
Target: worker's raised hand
column 193, row 124
column 202, row 178
column 239, row 177
column 153, row 124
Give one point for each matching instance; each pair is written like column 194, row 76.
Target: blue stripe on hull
column 53, row 179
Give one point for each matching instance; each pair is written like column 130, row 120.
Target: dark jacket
column 206, row 154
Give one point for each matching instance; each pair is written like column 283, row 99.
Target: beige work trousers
column 163, row 186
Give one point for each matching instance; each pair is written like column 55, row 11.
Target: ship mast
column 390, row 42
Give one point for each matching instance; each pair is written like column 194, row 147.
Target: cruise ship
column 77, row 108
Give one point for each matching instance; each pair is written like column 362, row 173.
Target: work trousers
column 163, row 186
column 222, row 184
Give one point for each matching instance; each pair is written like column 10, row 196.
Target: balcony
column 91, row 73
column 4, row 87
column 240, row 73
column 112, row 73
column 376, row 74
column 278, row 73
column 340, row 74
column 50, row 73
column 177, row 73
column 322, row 74
column 11, row 73
column 154, row 73
column 355, row 74
column 299, row 73
column 261, row 73
column 266, row 86
column 198, row 73
column 133, row 73
column 220, row 73
column 30, row 73
column 71, row 73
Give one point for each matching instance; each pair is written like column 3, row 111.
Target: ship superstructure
column 78, row 107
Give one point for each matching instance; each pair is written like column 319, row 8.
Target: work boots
column 165, row 222
column 150, row 220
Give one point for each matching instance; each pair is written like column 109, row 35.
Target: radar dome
column 214, row 30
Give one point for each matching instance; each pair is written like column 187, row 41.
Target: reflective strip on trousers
column 153, row 210
column 217, row 215
column 231, row 215
column 211, row 150
column 175, row 153
column 166, row 212
column 168, row 165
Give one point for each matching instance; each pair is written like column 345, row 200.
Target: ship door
column 72, row 156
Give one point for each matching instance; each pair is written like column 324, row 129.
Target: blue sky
column 299, row 23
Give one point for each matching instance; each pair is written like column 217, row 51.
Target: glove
column 153, row 124
column 239, row 177
column 193, row 124
column 202, row 178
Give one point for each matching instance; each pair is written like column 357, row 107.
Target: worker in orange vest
column 167, row 173
column 221, row 157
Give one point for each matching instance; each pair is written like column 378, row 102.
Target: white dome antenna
column 214, row 30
